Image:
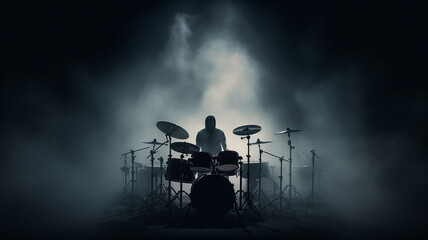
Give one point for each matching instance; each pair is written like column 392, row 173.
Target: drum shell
column 228, row 162
column 201, row 162
column 173, row 170
column 212, row 194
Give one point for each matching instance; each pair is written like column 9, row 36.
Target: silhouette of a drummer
column 211, row 139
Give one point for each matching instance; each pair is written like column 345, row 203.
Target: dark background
column 383, row 45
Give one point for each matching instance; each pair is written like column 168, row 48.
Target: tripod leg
column 237, row 211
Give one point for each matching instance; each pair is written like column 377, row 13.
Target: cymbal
column 287, row 131
column 184, row 147
column 172, row 130
column 260, row 142
column 247, row 130
column 154, row 142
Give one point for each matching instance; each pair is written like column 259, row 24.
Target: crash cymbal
column 260, row 142
column 184, row 147
column 172, row 130
column 287, row 131
column 154, row 142
column 247, row 130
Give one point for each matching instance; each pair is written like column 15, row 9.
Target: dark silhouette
column 211, row 139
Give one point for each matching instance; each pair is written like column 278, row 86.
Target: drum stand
column 247, row 195
column 179, row 194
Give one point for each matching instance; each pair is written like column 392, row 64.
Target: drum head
column 228, row 168
column 212, row 195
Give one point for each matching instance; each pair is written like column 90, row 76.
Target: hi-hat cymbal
column 260, row 142
column 172, row 130
column 287, row 131
column 184, row 147
column 154, row 142
column 247, row 130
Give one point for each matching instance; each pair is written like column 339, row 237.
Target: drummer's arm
column 223, row 141
column 224, row 145
column 198, row 142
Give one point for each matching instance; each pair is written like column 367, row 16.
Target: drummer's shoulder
column 220, row 131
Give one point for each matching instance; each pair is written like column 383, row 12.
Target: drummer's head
column 210, row 122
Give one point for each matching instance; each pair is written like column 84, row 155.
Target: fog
column 70, row 171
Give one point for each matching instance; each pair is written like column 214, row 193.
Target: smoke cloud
column 69, row 167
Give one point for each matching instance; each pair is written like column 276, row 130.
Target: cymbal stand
column 132, row 195
column 290, row 187
column 259, row 190
column 313, row 175
column 132, row 152
column 240, row 191
column 150, row 206
column 168, row 138
column 152, row 153
column 247, row 195
column 125, row 171
column 280, row 197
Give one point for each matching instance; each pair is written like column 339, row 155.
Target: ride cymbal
column 172, row 130
column 247, row 130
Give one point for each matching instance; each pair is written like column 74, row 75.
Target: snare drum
column 173, row 171
column 201, row 162
column 228, row 162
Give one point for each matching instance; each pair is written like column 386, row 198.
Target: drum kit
column 211, row 193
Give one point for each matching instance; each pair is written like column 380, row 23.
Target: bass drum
column 212, row 194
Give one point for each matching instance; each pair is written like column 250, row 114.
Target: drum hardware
column 138, row 166
column 290, row 187
column 126, row 169
column 275, row 185
column 152, row 153
column 313, row 175
column 171, row 130
column 280, row 197
column 161, row 186
column 125, row 172
column 240, row 185
column 260, row 191
column 161, row 190
column 132, row 152
column 183, row 148
column 246, row 131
